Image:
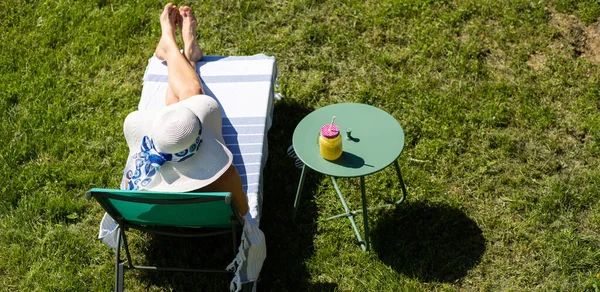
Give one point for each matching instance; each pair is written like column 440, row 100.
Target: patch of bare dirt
column 537, row 61
column 593, row 43
column 497, row 61
column 463, row 37
column 585, row 40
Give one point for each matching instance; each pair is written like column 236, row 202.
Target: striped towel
column 244, row 87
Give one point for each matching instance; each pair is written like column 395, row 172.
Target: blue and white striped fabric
column 244, row 87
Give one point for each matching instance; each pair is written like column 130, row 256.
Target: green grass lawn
column 499, row 100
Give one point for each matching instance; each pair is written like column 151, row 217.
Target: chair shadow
column 429, row 242
column 288, row 243
column 214, row 252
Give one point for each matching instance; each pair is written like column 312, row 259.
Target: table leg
column 299, row 191
column 401, row 182
column 349, row 214
column 365, row 215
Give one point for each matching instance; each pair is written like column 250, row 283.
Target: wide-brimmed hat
column 178, row 148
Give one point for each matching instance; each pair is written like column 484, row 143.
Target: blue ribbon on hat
column 146, row 163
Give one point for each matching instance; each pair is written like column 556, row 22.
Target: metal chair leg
column 120, row 274
column 126, row 246
column 118, row 264
column 234, row 236
column 247, row 287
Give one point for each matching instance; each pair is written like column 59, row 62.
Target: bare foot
column 191, row 48
column 168, row 24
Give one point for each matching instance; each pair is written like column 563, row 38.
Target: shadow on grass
column 288, row 243
column 214, row 252
column 430, row 242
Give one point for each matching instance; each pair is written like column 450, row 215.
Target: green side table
column 371, row 140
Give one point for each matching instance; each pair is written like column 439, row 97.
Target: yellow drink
column 330, row 142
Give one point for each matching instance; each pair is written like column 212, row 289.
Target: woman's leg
column 170, row 97
column 191, row 48
column 183, row 81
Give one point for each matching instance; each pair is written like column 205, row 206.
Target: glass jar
column 330, row 142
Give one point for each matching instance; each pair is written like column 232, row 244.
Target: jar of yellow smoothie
column 330, row 142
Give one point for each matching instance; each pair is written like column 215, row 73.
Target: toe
column 165, row 11
column 173, row 13
column 186, row 11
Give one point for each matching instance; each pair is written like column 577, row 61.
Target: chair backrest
column 150, row 208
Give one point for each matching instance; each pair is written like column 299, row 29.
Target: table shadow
column 427, row 241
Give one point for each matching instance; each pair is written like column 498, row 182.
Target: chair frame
column 191, row 231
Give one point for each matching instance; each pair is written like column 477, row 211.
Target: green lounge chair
column 156, row 212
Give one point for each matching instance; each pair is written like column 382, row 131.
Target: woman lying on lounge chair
column 180, row 148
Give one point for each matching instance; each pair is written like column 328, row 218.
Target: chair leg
column 118, row 265
column 234, row 236
column 126, row 246
column 120, row 274
column 248, row 287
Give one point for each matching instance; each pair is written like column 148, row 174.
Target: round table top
column 377, row 139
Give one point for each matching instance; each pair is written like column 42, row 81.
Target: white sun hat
column 185, row 137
